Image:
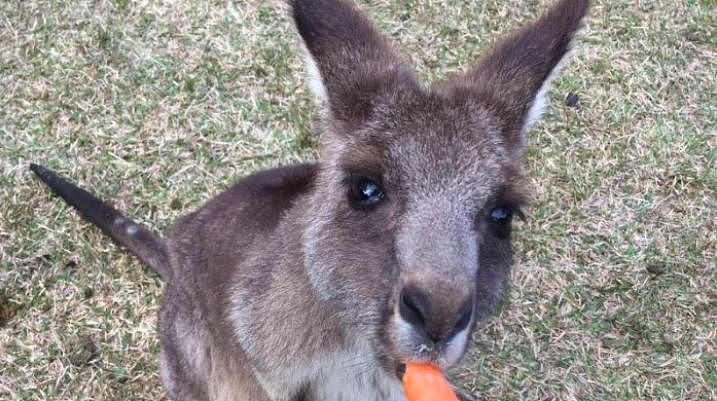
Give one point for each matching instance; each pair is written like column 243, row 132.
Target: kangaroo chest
column 339, row 376
column 357, row 383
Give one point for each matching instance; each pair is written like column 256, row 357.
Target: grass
column 160, row 105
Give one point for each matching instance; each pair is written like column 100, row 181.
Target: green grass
column 159, row 107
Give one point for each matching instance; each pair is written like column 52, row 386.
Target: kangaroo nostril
column 465, row 318
column 412, row 306
column 432, row 316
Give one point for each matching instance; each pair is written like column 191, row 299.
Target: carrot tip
column 425, row 382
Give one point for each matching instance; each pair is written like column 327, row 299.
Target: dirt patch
column 8, row 309
column 81, row 350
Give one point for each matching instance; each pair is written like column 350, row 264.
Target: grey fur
column 279, row 289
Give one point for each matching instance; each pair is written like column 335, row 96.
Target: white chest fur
column 357, row 383
column 346, row 375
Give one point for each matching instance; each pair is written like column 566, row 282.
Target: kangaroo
column 315, row 282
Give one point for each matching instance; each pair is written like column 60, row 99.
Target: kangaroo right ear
column 350, row 64
column 516, row 72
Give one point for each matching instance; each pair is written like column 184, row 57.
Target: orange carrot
column 424, row 382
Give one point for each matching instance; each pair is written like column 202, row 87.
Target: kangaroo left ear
column 350, row 65
column 515, row 74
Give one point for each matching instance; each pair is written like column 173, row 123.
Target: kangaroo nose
column 436, row 318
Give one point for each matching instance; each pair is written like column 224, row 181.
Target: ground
column 160, row 105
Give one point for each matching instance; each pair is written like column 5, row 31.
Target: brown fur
column 281, row 288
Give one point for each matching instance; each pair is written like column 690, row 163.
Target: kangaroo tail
column 139, row 240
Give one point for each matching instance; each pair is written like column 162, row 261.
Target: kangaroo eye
column 364, row 192
column 501, row 214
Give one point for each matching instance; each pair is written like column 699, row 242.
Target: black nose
column 437, row 318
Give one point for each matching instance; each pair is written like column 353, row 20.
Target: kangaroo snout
column 434, row 316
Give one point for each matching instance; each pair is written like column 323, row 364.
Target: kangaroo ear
column 514, row 75
column 350, row 64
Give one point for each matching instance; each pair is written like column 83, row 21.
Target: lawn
column 160, row 105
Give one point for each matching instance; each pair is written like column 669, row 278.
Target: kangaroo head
column 408, row 233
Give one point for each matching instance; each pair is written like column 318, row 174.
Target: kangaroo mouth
column 400, row 370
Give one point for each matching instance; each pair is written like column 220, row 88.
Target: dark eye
column 501, row 214
column 364, row 192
